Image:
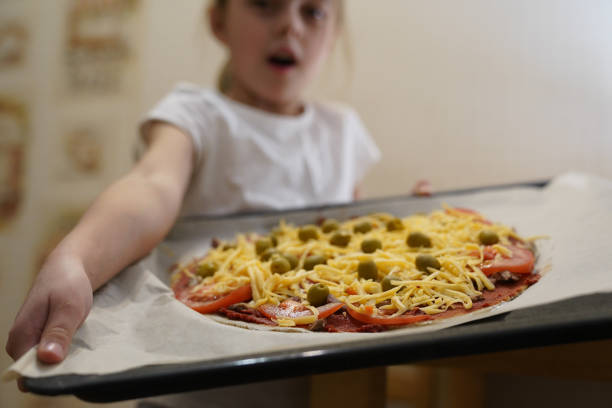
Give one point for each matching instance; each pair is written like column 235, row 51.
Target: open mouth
column 282, row 61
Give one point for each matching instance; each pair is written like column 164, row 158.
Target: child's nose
column 290, row 21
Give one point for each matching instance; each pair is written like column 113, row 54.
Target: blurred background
column 463, row 93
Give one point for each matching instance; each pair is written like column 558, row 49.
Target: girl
column 255, row 144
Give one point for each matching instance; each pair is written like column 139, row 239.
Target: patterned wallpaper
column 68, row 82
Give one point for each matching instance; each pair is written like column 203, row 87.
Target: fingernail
column 53, row 347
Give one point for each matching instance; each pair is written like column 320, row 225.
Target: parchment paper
column 135, row 321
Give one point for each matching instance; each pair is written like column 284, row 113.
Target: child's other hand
column 55, row 307
column 422, row 188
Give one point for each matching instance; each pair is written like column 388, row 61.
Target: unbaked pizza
column 367, row 274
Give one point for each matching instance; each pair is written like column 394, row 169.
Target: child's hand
column 55, row 307
column 422, row 188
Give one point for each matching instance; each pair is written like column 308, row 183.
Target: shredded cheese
column 454, row 243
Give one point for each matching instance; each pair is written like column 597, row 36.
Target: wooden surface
column 355, row 389
column 587, row 361
column 462, row 381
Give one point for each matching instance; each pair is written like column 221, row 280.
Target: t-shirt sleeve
column 366, row 152
column 184, row 107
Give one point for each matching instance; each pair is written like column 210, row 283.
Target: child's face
column 277, row 46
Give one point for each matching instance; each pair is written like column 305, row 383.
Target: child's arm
column 125, row 222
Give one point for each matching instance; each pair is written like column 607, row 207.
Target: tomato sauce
column 246, row 315
column 341, row 321
column 502, row 293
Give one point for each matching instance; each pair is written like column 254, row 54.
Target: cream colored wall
column 39, row 84
column 479, row 92
column 463, row 93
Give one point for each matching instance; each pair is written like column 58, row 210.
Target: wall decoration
column 13, row 128
column 87, row 151
column 13, row 37
column 82, row 152
column 98, row 44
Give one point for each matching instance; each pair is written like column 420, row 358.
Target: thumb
column 62, row 322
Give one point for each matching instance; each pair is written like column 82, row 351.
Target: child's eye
column 267, row 6
column 314, row 12
column 260, row 3
column 263, row 5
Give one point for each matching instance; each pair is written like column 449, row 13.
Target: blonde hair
column 224, row 77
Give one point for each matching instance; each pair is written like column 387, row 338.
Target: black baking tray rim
column 578, row 319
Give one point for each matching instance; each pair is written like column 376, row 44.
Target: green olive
column 311, row 261
column 340, row 238
column 395, row 225
column 330, row 225
column 308, row 232
column 370, row 245
column 262, row 244
column 273, row 240
column 228, row 246
column 363, row 227
column 267, row 254
column 280, row 265
column 386, row 283
column 367, row 270
column 425, row 261
column 292, row 259
column 488, row 237
column 418, row 239
column 317, row 294
column 207, row 269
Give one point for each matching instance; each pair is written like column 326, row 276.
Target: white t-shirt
column 247, row 158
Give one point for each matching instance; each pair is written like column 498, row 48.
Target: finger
column 27, row 328
column 422, row 188
column 64, row 318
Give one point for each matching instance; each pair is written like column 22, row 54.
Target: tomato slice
column 478, row 216
column 387, row 321
column 463, row 210
column 290, row 309
column 207, row 300
column 488, row 253
column 521, row 261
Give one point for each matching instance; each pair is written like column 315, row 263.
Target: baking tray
column 578, row 319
